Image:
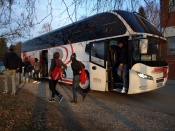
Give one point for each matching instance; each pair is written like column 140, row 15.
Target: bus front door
column 98, row 66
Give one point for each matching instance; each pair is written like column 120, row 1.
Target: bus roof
column 95, row 27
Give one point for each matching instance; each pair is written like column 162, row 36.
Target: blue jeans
column 75, row 86
column 124, row 75
column 36, row 75
column 11, row 73
column 26, row 74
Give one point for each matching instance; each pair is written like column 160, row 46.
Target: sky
column 60, row 16
column 58, row 19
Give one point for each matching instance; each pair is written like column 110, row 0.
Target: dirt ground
column 30, row 110
column 26, row 112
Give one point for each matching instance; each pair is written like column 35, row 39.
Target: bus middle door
column 98, row 65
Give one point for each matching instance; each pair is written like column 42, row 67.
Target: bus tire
column 86, row 86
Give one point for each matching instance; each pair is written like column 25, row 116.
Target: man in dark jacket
column 19, row 71
column 122, row 64
column 76, row 68
column 12, row 63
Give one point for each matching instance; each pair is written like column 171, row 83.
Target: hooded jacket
column 12, row 61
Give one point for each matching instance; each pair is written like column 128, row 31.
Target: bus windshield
column 153, row 50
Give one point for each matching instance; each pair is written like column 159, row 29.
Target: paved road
column 162, row 99
column 103, row 111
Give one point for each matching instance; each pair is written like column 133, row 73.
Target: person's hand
column 50, row 78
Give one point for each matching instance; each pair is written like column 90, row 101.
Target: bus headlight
column 144, row 76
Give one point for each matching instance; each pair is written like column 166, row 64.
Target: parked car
column 2, row 67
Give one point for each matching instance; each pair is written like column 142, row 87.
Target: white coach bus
column 94, row 39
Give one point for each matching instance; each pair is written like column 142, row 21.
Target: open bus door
column 97, row 58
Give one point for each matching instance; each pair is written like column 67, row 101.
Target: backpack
column 83, row 75
column 57, row 71
column 28, row 66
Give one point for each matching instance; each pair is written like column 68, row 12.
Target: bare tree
column 16, row 18
column 142, row 11
column 82, row 17
column 152, row 10
column 45, row 28
column 3, row 48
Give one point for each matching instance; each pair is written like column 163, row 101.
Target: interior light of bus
column 144, row 76
column 165, row 72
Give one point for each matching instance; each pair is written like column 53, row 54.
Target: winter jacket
column 12, row 61
column 121, row 55
column 76, row 68
column 36, row 65
column 27, row 66
column 20, row 65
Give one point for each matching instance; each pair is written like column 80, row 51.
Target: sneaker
column 114, row 89
column 13, row 93
column 51, row 100
column 35, row 81
column 123, row 90
column 4, row 92
column 60, row 98
column 38, row 82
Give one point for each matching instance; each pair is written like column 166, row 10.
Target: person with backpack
column 27, row 68
column 53, row 80
column 76, row 68
column 12, row 63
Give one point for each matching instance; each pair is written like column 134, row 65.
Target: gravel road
column 101, row 111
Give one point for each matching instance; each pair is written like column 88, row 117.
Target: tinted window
column 131, row 20
column 138, row 23
column 153, row 52
column 95, row 27
column 98, row 54
column 147, row 26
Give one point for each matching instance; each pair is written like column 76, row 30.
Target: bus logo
column 158, row 70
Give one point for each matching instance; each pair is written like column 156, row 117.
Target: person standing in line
column 19, row 71
column 36, row 71
column 27, row 69
column 12, row 63
column 52, row 82
column 76, row 68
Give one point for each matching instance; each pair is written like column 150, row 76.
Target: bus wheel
column 86, row 86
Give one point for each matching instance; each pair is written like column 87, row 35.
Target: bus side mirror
column 143, row 46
